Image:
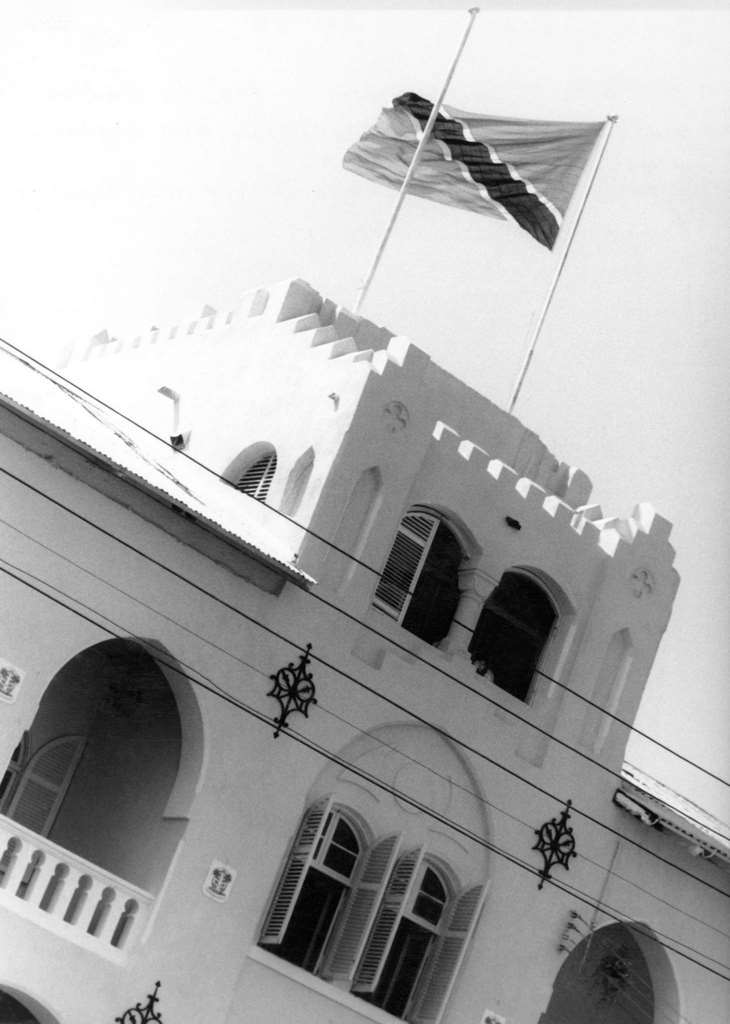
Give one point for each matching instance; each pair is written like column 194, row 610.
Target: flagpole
column 473, row 11
column 610, row 122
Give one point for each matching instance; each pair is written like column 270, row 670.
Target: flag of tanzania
column 521, row 170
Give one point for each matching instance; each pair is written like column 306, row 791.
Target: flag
column 519, row 170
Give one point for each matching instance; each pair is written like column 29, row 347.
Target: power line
column 447, row 675
column 293, row 734
column 331, row 544
column 320, row 705
column 389, row 700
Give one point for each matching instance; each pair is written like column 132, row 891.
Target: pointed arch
column 354, row 528
column 619, row 974
column 608, row 687
column 297, row 482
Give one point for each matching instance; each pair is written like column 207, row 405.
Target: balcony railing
column 70, row 896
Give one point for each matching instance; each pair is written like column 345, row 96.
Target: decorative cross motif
column 642, row 583
column 139, row 1014
column 395, row 417
column 294, row 689
column 556, row 843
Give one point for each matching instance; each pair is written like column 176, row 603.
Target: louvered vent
column 257, row 478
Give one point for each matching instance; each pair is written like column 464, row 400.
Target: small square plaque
column 219, row 881
column 10, row 680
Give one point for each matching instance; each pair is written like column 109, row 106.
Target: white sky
column 160, row 160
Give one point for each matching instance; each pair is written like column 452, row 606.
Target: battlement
column 565, row 502
column 293, row 322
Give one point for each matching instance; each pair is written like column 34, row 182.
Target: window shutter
column 257, row 478
column 436, row 986
column 349, row 939
column 405, row 562
column 44, row 782
column 299, row 860
column 381, row 938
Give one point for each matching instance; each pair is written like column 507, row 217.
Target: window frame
column 307, row 853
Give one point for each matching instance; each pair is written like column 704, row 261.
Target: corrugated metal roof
column 679, row 814
column 147, row 460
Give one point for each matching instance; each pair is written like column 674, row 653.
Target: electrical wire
column 441, row 671
column 343, row 673
column 331, row 544
column 207, row 684
column 320, row 706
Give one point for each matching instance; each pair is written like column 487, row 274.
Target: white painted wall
column 245, row 792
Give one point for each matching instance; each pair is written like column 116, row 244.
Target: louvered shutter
column 349, row 939
column 44, row 782
column 257, row 478
column 436, row 985
column 405, row 562
column 381, row 937
column 291, row 882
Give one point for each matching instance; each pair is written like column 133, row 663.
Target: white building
column 480, row 639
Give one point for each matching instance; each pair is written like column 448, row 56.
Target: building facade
column 317, row 671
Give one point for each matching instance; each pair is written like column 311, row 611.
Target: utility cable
column 202, row 681
column 331, row 544
column 389, row 700
column 320, row 706
column 299, row 647
column 447, row 675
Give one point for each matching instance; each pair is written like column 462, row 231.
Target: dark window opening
column 511, row 633
column 403, row 967
column 436, row 592
column 419, row 585
column 313, row 889
column 312, row 920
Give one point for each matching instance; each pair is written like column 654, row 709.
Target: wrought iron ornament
column 294, row 689
column 556, row 843
column 139, row 1014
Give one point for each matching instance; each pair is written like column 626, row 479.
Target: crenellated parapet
column 643, row 530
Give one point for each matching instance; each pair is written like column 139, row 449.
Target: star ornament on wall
column 294, row 689
column 556, row 843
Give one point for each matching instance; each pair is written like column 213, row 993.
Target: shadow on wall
column 104, row 754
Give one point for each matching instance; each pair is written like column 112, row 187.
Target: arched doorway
column 104, row 760
column 607, row 979
column 14, row 1010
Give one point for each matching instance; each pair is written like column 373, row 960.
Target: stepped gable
column 293, row 303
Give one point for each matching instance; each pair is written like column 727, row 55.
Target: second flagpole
column 473, row 11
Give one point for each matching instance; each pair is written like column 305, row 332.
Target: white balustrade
column 63, row 892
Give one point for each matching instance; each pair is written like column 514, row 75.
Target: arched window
column 313, row 887
column 256, row 479
column 417, row 942
column 419, row 586
column 512, row 631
